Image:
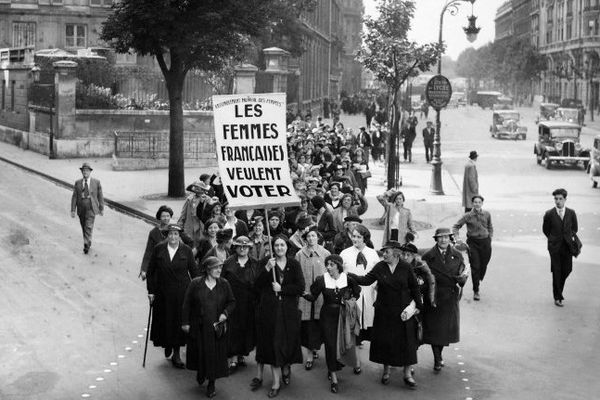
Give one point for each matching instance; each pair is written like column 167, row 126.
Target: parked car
column 547, row 111
column 486, row 99
column 558, row 143
column 594, row 164
column 505, row 125
column 503, row 103
column 458, row 99
column 567, row 115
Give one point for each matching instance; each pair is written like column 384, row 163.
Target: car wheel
column 548, row 163
column 594, row 184
column 538, row 159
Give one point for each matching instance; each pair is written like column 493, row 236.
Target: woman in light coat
column 398, row 219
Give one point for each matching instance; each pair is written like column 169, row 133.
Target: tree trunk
column 176, row 165
column 394, row 137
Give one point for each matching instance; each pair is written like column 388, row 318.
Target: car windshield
column 565, row 132
column 569, row 113
column 507, row 116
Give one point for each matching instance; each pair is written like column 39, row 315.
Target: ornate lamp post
column 471, row 31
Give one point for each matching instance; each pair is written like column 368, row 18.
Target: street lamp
column 471, row 31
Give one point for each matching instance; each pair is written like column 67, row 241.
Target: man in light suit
column 87, row 201
column 560, row 224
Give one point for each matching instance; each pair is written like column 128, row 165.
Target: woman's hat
column 409, row 248
column 224, row 234
column 311, row 229
column 85, row 165
column 353, row 218
column 318, row 202
column 442, row 232
column 274, row 214
column 304, row 222
column 392, row 244
column 174, row 227
column 198, row 187
column 212, row 263
column 241, row 241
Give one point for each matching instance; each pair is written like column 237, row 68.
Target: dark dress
column 242, row 322
column 330, row 314
column 441, row 325
column 393, row 341
column 168, row 280
column 278, row 319
column 201, row 309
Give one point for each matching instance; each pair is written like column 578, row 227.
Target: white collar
column 338, row 283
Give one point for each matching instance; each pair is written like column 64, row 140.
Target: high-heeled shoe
column 210, row 390
column 385, row 378
column 177, row 363
column 334, row 387
column 286, row 378
column 255, row 384
column 410, row 382
column 273, row 392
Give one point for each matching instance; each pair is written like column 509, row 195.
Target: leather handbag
column 365, row 174
column 576, row 246
column 220, row 329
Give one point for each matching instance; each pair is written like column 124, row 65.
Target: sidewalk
column 145, row 191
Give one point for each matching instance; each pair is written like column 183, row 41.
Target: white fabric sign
column 250, row 135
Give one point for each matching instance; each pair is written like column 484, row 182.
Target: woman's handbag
column 365, row 174
column 419, row 328
column 220, row 329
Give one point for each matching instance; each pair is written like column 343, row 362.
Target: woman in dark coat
column 171, row 268
column 157, row 235
column 208, row 301
column 280, row 283
column 241, row 271
column 340, row 292
column 441, row 324
column 394, row 333
column 211, row 227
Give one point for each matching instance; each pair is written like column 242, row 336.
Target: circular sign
column 438, row 91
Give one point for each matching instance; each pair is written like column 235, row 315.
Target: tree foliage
column 182, row 35
column 387, row 52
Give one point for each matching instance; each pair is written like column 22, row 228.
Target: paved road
column 66, row 317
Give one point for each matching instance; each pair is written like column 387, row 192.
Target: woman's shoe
column 232, row 367
column 241, row 362
column 334, row 387
column 177, row 363
column 255, row 384
column 308, row 365
column 286, row 378
column 210, row 390
column 315, row 354
column 410, row 382
column 168, row 352
column 385, row 378
column 328, row 375
column 437, row 366
column 273, row 392
column 357, row 370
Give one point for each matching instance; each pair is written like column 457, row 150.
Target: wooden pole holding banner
column 270, row 243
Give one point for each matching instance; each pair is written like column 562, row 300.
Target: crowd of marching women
column 288, row 282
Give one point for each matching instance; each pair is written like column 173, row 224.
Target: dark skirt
column 364, row 334
column 329, row 319
column 207, row 354
column 310, row 335
column 393, row 342
column 166, row 318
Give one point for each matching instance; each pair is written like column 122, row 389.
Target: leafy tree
column 392, row 58
column 191, row 34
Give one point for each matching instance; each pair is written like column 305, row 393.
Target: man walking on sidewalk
column 479, row 239
column 559, row 226
column 470, row 181
column 428, row 134
column 87, row 201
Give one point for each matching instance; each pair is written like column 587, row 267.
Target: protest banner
column 251, row 144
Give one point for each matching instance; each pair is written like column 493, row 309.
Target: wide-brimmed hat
column 391, row 244
column 409, row 248
column 353, row 218
column 241, row 241
column 197, row 187
column 212, row 263
column 86, row 165
column 174, row 227
column 442, row 232
column 224, row 234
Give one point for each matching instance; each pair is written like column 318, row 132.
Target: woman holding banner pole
column 280, row 283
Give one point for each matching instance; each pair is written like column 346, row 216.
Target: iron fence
column 155, row 145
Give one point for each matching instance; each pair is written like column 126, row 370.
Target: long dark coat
column 242, row 322
column 168, row 280
column 201, row 309
column 155, row 237
column 278, row 319
column 393, row 341
column 441, row 325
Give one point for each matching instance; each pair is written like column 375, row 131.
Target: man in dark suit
column 560, row 224
column 87, row 201
column 428, row 134
column 363, row 141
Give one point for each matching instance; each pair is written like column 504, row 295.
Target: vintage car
column 487, row 99
column 503, row 103
column 594, row 165
column 505, row 125
column 567, row 115
column 547, row 111
column 558, row 143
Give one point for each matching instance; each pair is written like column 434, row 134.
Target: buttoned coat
column 441, row 324
column 559, row 230
column 96, row 197
column 312, row 267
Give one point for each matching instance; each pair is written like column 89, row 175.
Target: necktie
column 361, row 260
column 561, row 213
column 86, row 189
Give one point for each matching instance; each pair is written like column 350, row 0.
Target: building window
column 101, row 3
column 75, row 35
column 569, row 31
column 23, row 34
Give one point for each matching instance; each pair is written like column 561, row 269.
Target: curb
column 132, row 212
